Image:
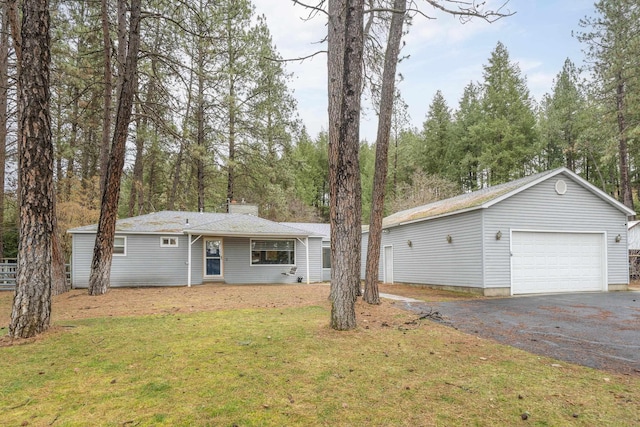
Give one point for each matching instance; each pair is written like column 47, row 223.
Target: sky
column 443, row 54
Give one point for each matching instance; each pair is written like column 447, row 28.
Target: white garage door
column 557, row 262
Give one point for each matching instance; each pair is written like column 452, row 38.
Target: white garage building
column 550, row 232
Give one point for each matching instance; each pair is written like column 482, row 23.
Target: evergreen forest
column 214, row 119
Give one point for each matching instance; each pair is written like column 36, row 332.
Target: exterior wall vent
column 561, row 187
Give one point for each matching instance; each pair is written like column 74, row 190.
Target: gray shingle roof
column 220, row 224
column 315, row 229
column 241, row 224
column 484, row 198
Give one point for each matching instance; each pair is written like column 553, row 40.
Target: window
column 326, row 257
column 119, row 246
column 278, row 252
column 168, row 242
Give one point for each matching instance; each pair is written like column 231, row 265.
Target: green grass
column 286, row 367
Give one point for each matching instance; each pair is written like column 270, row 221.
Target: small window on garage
column 119, row 246
column 168, row 242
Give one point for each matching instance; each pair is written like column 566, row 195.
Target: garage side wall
column 540, row 208
column 430, row 259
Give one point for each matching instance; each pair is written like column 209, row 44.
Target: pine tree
column 561, row 121
column 508, row 127
column 436, row 155
column 31, row 311
column 466, row 136
column 612, row 38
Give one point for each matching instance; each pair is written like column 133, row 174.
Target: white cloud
column 444, row 54
column 297, row 37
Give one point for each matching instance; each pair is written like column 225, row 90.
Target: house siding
column 476, row 259
column 316, row 272
column 238, row 268
column 633, row 237
column 540, row 208
column 139, row 267
column 363, row 256
column 148, row 264
column 431, row 259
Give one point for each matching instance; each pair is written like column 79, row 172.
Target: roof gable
column 487, row 197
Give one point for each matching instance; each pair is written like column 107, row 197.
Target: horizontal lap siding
column 81, row 253
column 197, row 260
column 316, row 272
column 541, row 208
column 145, row 264
column 431, row 259
column 363, row 255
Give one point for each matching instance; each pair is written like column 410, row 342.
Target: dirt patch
column 118, row 302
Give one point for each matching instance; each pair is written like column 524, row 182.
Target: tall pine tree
column 508, row 128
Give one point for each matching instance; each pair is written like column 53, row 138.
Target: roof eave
column 427, row 218
column 164, row 233
column 598, row 192
column 244, row 234
column 575, row 178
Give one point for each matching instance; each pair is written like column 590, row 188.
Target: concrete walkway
column 399, row 298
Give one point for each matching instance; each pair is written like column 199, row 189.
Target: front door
column 212, row 258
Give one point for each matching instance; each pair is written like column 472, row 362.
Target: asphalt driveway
column 600, row 330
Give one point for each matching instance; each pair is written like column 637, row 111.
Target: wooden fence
column 8, row 267
column 634, row 264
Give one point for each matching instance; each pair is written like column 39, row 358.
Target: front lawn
column 284, row 366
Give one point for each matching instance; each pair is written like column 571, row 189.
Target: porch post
column 307, row 249
column 189, row 263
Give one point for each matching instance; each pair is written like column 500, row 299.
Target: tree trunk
column 32, row 302
column 185, row 135
column 4, row 84
column 153, row 179
column 14, row 23
column 200, row 142
column 371, row 294
column 345, row 49
column 105, row 147
column 103, row 250
column 59, row 282
column 232, row 116
column 73, row 137
column 136, row 196
column 623, row 149
column 232, row 147
column 108, row 90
